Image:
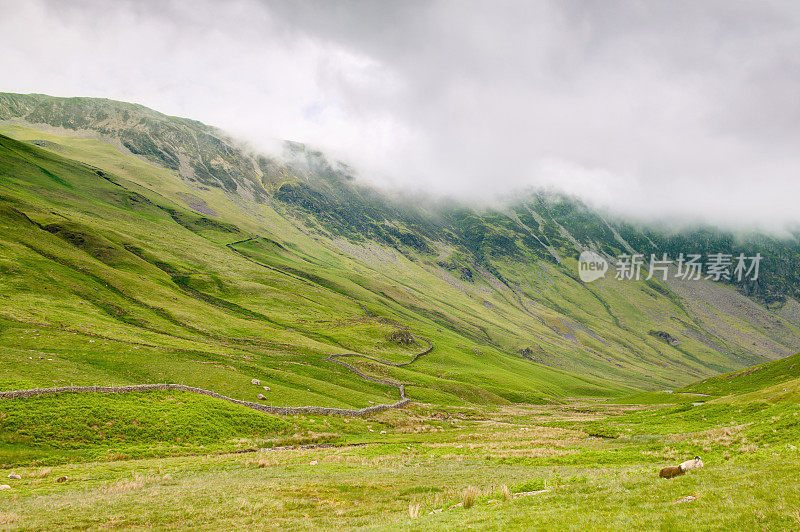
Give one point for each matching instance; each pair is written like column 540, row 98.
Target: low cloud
column 660, row 108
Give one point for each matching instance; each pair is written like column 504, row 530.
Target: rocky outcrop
column 402, row 337
column 664, row 336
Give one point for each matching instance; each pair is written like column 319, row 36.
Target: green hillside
column 778, row 380
column 111, row 282
column 124, row 266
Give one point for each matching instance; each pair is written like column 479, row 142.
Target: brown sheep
column 671, row 471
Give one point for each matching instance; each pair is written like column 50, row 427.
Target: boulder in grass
column 261, row 396
column 14, row 477
column 5, row 487
column 61, row 479
column 266, row 389
column 256, row 382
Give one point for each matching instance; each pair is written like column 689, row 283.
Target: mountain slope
column 108, row 282
column 262, row 279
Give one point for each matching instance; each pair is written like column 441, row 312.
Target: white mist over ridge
column 656, row 110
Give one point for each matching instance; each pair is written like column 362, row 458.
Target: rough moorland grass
column 133, row 424
column 415, row 480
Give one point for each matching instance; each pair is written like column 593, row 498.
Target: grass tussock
column 40, row 473
column 7, row 518
column 667, row 453
column 133, row 484
column 263, row 461
column 469, row 495
column 750, row 448
column 413, row 510
column 722, row 437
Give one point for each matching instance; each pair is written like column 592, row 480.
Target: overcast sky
column 671, row 108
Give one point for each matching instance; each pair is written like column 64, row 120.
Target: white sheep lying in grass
column 695, row 463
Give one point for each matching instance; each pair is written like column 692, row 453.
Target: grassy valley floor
column 583, row 465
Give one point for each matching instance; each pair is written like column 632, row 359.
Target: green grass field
column 590, row 465
column 575, row 466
